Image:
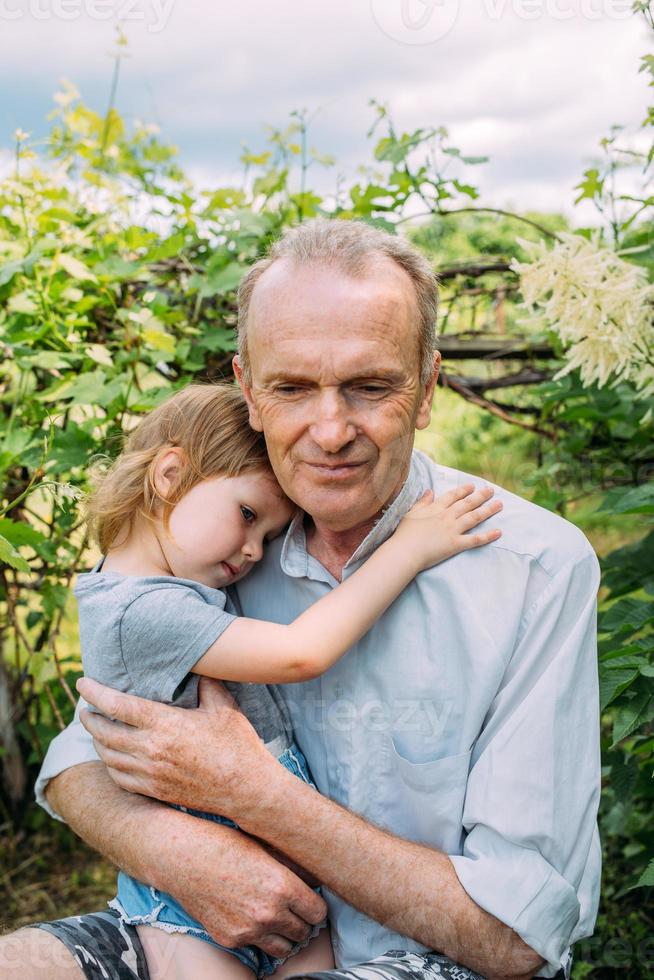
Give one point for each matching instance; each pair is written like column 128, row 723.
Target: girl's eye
column 248, row 514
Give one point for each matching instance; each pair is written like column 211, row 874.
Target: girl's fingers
column 473, row 500
column 421, row 504
column 477, row 516
column 482, row 537
column 455, row 495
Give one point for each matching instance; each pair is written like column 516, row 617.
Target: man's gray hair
column 348, row 246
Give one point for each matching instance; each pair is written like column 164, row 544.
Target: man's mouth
column 337, row 470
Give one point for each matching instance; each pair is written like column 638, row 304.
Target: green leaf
column 475, row 160
column 613, row 682
column 82, row 389
column 100, row 354
column 591, row 186
column 394, row 150
column 647, row 877
column 16, row 442
column 48, row 360
column 53, row 596
column 74, row 267
column 467, row 189
column 626, row 614
column 630, row 567
column 22, row 303
column 624, row 775
column 19, row 533
column 166, row 250
column 271, row 182
column 632, row 500
column 158, row 339
column 72, row 447
column 631, row 715
column 223, row 280
column 9, row 556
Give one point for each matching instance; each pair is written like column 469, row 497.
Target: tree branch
column 491, row 407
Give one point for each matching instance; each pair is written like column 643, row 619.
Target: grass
column 48, row 874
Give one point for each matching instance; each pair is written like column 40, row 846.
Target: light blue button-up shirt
column 466, row 719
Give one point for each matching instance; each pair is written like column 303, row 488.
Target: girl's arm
column 270, row 653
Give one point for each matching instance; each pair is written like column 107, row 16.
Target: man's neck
column 333, row 549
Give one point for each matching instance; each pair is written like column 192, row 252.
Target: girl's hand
column 436, row 529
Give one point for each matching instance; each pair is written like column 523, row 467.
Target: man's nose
column 333, row 427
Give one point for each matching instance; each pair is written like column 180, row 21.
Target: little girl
column 183, row 513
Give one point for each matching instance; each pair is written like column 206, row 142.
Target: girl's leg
column 318, row 955
column 179, row 956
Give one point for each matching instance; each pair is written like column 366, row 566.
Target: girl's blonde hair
column 209, row 423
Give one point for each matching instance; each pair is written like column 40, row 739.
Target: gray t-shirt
column 144, row 635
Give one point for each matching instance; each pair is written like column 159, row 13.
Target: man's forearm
column 223, row 878
column 409, row 887
column 110, row 820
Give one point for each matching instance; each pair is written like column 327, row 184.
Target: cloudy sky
column 534, row 84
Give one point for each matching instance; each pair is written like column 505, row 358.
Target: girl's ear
column 167, row 471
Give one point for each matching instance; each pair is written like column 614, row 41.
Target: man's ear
column 167, row 471
column 424, row 410
column 255, row 418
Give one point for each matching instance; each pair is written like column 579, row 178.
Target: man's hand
column 239, row 892
column 199, row 762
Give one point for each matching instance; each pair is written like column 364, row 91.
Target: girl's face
column 217, row 531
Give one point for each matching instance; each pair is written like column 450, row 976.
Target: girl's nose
column 253, row 550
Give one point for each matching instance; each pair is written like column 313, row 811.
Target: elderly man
column 456, row 745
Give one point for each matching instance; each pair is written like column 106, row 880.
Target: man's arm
column 150, row 754
column 214, row 871
column 530, row 811
column 425, row 899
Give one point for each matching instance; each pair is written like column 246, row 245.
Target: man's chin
column 341, row 509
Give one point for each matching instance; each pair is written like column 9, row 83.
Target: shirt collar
column 296, row 561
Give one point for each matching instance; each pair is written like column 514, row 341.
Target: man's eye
column 248, row 514
column 288, row 389
column 372, row 389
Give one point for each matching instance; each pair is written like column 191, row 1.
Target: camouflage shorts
column 106, row 949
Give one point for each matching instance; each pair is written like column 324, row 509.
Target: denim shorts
column 139, row 904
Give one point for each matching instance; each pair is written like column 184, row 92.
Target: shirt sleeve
column 72, row 747
column 163, row 634
column 531, row 855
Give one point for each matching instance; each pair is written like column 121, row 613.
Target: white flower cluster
column 601, row 306
column 62, row 491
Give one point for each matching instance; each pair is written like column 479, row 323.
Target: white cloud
column 536, row 95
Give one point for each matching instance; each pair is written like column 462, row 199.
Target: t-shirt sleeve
column 163, row 634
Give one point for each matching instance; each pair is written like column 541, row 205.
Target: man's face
column 335, row 385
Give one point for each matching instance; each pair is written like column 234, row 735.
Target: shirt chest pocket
column 428, row 797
